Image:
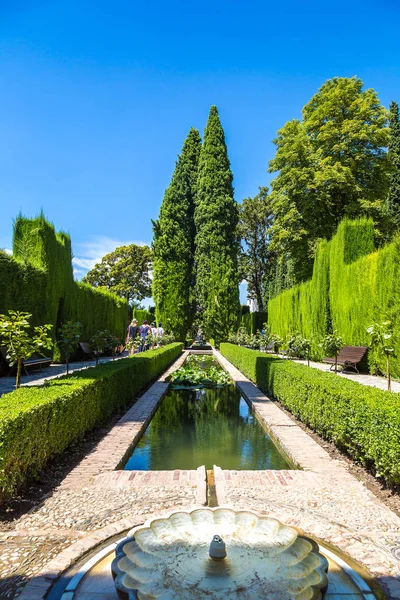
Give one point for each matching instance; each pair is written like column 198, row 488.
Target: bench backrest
column 86, row 347
column 352, row 353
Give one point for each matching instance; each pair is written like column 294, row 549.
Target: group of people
column 134, row 331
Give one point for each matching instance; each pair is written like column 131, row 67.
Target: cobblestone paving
column 323, row 500
column 69, row 514
column 93, row 496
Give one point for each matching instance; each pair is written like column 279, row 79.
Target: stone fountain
column 220, row 554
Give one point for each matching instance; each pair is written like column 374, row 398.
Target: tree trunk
column 19, row 368
column 67, row 361
column 388, row 373
column 336, row 363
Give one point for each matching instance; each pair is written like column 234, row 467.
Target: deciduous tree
column 332, row 164
column 124, row 272
column 255, row 259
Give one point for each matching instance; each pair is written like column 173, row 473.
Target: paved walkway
column 323, row 499
column 96, row 503
column 92, row 499
column 364, row 379
column 38, row 377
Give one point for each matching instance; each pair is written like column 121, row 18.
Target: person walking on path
column 143, row 331
column 131, row 334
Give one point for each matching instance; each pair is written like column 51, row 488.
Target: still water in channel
column 205, row 427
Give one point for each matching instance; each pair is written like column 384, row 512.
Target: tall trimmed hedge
column 143, row 315
column 352, row 287
column 364, row 421
column 253, row 321
column 38, row 278
column 37, row 423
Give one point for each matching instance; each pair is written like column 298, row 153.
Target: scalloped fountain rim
column 286, row 557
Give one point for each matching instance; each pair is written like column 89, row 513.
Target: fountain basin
column 168, row 559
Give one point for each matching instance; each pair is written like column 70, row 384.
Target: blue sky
column 97, row 97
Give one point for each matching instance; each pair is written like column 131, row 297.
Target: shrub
column 37, row 423
column 363, row 421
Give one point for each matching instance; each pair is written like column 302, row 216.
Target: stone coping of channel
column 319, row 470
column 114, row 447
column 323, row 498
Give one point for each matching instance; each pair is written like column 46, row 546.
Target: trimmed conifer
column 216, row 219
column 394, row 155
column 173, row 244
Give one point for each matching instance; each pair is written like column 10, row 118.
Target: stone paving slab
column 323, row 499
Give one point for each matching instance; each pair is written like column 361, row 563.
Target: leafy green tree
column 381, row 338
column 125, row 271
column 330, row 165
column 216, row 242
column 394, row 157
column 69, row 336
column 98, row 343
column 255, row 258
column 20, row 344
column 332, row 345
column 173, row 244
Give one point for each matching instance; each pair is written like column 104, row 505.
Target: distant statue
column 199, row 337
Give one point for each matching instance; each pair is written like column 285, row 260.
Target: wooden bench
column 88, row 350
column 32, row 361
column 348, row 357
column 36, row 361
column 269, row 348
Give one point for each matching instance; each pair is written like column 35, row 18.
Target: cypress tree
column 394, row 156
column 216, row 219
column 173, row 244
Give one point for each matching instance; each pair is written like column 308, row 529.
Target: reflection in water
column 205, row 427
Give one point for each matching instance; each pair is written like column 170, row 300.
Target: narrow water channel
column 208, row 426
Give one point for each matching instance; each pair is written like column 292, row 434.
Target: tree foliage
column 394, row 157
column 256, row 259
column 125, row 272
column 332, row 164
column 20, row 343
column 173, row 243
column 69, row 336
column 216, row 242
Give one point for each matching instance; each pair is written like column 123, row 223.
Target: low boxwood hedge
column 363, row 421
column 39, row 422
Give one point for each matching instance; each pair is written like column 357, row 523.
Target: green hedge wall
column 37, row 423
column 143, row 315
column 38, row 278
column 352, row 287
column 253, row 321
column 23, row 288
column 363, row 421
